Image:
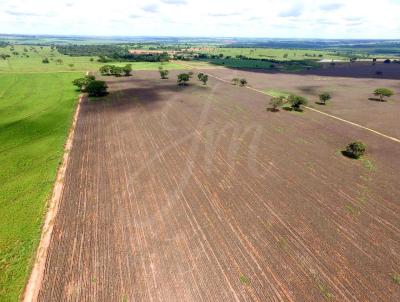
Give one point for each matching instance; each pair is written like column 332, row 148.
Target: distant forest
column 109, row 53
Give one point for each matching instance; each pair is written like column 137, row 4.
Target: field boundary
column 33, row 285
column 312, row 109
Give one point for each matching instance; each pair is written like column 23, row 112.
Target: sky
column 364, row 19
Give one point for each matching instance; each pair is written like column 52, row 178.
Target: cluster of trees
column 240, row 82
column 90, row 85
column 4, row 56
column 118, row 71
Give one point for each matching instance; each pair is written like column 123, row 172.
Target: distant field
column 33, row 63
column 35, row 115
column 273, row 53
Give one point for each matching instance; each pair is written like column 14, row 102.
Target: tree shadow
column 348, row 154
column 273, row 109
column 377, row 100
column 320, row 103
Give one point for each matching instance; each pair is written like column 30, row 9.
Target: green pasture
column 35, row 115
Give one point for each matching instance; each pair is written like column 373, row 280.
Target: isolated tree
column 163, row 72
column 203, row 78
column 127, row 70
column 383, row 92
column 59, row 61
column 45, row 61
column 355, row 149
column 96, row 88
column 297, row 101
column 276, row 103
column 235, row 81
column 71, row 65
column 324, row 97
column 183, row 78
column 243, row 82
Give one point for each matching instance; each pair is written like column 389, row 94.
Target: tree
column 183, row 78
column 235, row 81
column 383, row 92
column 355, row 149
column 96, row 88
column 105, row 70
column 243, row 82
column 81, row 83
column 127, row 69
column 297, row 101
column 276, row 102
column 71, row 65
column 45, row 61
column 163, row 73
column 203, row 78
column 324, row 97
column 59, row 61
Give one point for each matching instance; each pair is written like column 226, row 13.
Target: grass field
column 35, row 115
column 273, row 53
column 33, row 63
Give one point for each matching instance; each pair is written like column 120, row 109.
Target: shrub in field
column 297, row 101
column 127, row 70
column 235, row 81
column 45, row 61
column 163, row 72
column 96, row 88
column 383, row 92
column 203, row 78
column 355, row 149
column 183, row 78
column 324, row 97
column 276, row 103
column 81, row 83
column 243, row 82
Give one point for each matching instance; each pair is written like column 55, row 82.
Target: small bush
column 183, row 78
column 243, row 82
column 276, row 103
column 45, row 61
column 355, row 149
column 235, row 81
column 324, row 97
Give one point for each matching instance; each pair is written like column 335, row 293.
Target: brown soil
column 200, row 194
column 352, row 98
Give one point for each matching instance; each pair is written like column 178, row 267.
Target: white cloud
column 252, row 18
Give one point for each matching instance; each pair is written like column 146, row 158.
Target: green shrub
column 355, row 149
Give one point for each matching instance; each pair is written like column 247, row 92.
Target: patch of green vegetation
column 324, row 290
column 244, row 280
column 367, row 164
column 35, row 116
column 277, row 93
column 396, row 278
column 279, row 129
column 352, row 209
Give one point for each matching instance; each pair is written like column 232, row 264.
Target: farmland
column 274, row 53
column 35, row 115
column 23, row 64
column 199, row 193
